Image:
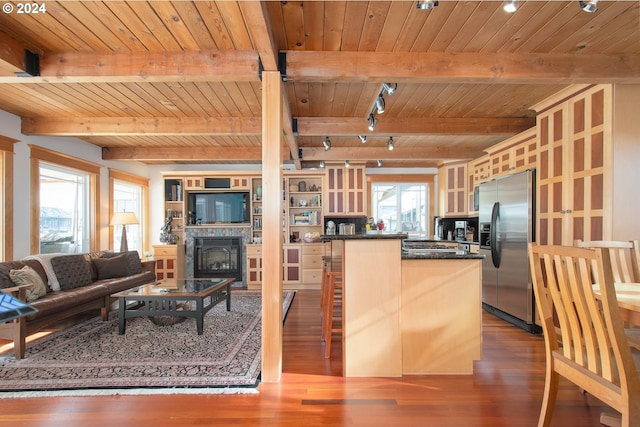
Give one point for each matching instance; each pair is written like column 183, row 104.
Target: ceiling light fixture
column 590, row 6
column 346, row 163
column 326, row 144
column 390, row 145
column 372, row 122
column 426, row 4
column 390, row 88
column 363, row 138
column 510, row 6
column 380, row 104
column 379, row 162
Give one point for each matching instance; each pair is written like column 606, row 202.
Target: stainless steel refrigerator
column 506, row 222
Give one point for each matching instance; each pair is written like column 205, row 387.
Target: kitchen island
column 407, row 313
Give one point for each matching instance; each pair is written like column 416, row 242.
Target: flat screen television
column 220, row 207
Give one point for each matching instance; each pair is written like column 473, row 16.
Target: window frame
column 7, row 154
column 117, row 175
column 40, row 154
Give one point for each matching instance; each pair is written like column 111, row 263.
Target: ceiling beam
column 177, row 154
column 88, row 67
column 12, row 56
column 69, row 126
column 400, row 153
column 338, row 126
column 485, row 67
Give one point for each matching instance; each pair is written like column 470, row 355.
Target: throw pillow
column 28, row 276
column 134, row 262
column 72, row 271
column 109, row 268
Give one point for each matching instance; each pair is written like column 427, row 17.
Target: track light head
column 372, row 122
column 389, row 88
column 379, row 162
column 322, row 163
column 363, row 138
column 326, row 144
column 590, row 6
column 390, row 145
column 380, row 104
column 510, row 6
column 346, row 163
column 426, row 4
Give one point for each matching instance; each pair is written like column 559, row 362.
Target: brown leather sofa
column 77, row 287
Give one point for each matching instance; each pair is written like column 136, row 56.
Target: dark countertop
column 372, row 235
column 442, row 255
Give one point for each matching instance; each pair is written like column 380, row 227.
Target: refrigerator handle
column 493, row 236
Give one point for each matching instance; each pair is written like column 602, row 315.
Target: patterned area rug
column 92, row 355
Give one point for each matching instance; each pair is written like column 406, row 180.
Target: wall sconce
column 372, row 122
column 124, row 219
column 590, row 6
column 390, row 145
column 326, row 144
column 426, row 4
column 379, row 162
column 363, row 138
column 510, row 6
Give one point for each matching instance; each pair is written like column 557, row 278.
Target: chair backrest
column 624, row 256
column 592, row 350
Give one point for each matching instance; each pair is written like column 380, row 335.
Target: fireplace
column 218, row 257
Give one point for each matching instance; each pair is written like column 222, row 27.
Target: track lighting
column 322, row 163
column 346, row 163
column 363, row 138
column 510, row 6
column 326, row 144
column 390, row 145
column 372, row 122
column 380, row 104
column 389, row 88
column 379, row 162
column 426, row 4
column 590, row 6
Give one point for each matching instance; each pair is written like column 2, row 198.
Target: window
column 129, row 193
column 64, row 210
column 64, row 191
column 402, row 207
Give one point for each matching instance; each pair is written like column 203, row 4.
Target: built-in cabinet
column 452, row 179
column 478, row 171
column 174, row 207
column 587, row 150
column 169, row 261
column 346, row 189
column 256, row 209
column 302, row 206
column 254, row 266
column 513, row 155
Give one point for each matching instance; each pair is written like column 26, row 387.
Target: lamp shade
column 124, row 218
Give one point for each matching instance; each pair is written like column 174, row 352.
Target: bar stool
column 332, row 288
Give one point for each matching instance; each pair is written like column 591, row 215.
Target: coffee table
column 168, row 298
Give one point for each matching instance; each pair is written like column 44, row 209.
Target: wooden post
column 271, row 226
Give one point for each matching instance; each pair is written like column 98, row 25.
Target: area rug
column 91, row 355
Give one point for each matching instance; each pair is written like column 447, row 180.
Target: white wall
column 10, row 127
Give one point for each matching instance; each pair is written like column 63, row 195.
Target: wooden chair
column 592, row 350
column 625, row 265
column 331, row 307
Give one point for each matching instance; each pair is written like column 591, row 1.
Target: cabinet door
column 194, row 183
column 455, row 189
column 355, row 188
column 292, row 264
column 334, row 202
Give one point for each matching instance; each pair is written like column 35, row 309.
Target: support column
column 271, row 226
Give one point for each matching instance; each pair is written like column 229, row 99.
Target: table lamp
column 123, row 219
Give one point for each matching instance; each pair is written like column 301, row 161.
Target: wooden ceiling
column 170, row 82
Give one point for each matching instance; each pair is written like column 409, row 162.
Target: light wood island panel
column 441, row 316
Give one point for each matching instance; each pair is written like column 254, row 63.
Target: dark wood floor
column 505, row 391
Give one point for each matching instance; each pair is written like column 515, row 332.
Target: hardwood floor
column 505, row 391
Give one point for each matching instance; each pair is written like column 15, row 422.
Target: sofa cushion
column 134, row 262
column 28, row 276
column 90, row 256
column 108, row 268
column 72, row 271
column 45, row 261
